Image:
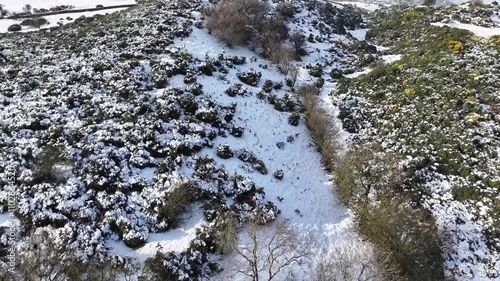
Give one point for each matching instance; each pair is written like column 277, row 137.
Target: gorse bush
column 48, row 165
column 408, row 244
column 365, row 171
column 176, row 202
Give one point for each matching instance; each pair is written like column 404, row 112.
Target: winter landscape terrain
column 250, row 140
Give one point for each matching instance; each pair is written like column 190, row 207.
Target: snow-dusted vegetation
column 113, row 126
column 437, row 107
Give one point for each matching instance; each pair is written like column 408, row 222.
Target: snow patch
column 477, row 30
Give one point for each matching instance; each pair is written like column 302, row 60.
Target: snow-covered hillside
column 137, row 136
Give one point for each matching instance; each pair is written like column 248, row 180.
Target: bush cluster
column 256, row 24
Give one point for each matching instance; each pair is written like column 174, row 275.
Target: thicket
column 256, row 24
column 408, row 245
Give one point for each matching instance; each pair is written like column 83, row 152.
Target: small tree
column 299, row 42
column 236, row 22
column 271, row 250
column 27, row 8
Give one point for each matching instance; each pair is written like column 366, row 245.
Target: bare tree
column 283, row 58
column 298, row 40
column 42, row 259
column 347, row 265
column 270, row 251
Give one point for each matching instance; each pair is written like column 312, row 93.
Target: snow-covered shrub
column 336, row 73
column 288, row 103
column 236, row 89
column 315, row 70
column 208, row 67
column 236, row 60
column 237, row 131
column 260, row 166
column 224, row 151
column 251, row 77
column 175, row 203
column 268, row 86
column 279, row 174
column 168, row 267
column 246, row 155
column 294, row 119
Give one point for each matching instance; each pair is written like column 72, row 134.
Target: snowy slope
column 308, row 203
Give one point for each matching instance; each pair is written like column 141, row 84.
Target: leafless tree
column 347, row 265
column 236, row 22
column 27, row 8
column 270, row 251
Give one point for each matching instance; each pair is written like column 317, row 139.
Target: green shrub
column 462, row 193
column 176, row 202
column 407, row 237
column 366, row 170
column 14, row 28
